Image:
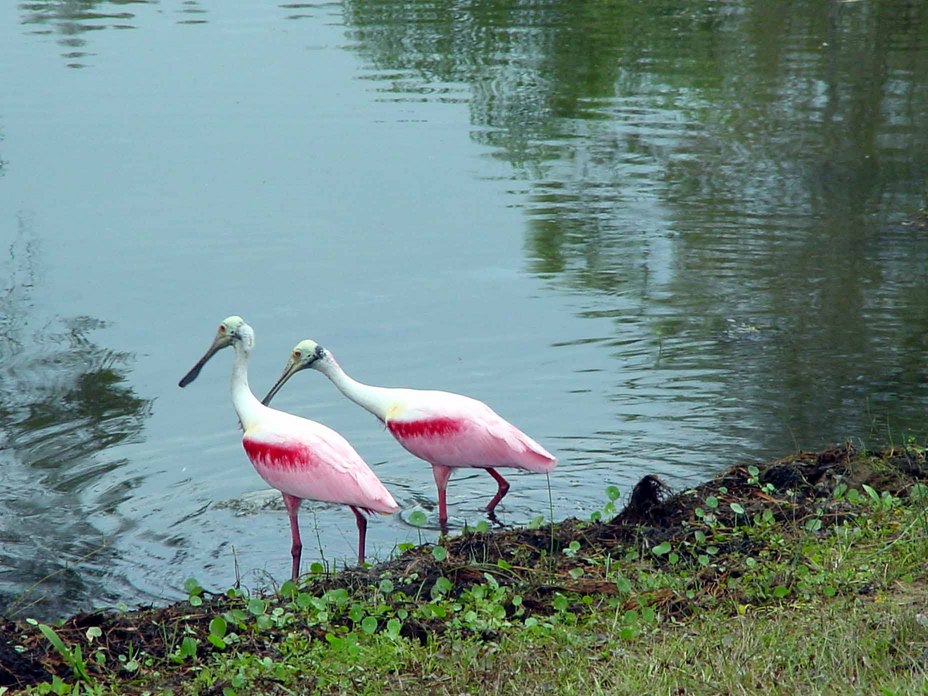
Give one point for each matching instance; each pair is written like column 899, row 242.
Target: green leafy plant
column 661, row 549
column 72, row 656
column 194, row 592
column 218, row 628
column 613, row 493
column 418, row 519
column 536, row 522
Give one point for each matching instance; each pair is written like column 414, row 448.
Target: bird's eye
column 222, row 328
column 297, row 355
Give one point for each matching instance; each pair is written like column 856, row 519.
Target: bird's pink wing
column 457, row 431
column 520, row 447
column 308, row 460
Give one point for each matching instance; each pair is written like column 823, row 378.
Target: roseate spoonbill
column 447, row 430
column 299, row 457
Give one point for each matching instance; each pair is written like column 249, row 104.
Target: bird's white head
column 232, row 330
column 240, row 332
column 305, row 354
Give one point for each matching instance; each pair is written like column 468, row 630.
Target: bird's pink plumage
column 301, row 471
column 483, row 442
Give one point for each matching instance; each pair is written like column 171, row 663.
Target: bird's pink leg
column 292, row 504
column 362, row 532
column 503, row 489
column 442, row 474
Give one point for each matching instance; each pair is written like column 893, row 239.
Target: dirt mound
column 539, row 561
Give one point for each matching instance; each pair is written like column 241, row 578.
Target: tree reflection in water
column 721, row 181
column 64, row 400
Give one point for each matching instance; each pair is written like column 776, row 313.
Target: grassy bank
column 804, row 575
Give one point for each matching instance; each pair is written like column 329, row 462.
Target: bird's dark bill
column 288, row 372
column 195, row 370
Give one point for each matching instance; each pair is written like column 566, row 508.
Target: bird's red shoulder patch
column 427, row 427
column 277, row 455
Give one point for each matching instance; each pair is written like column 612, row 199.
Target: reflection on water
column 64, row 402
column 696, row 171
column 193, row 13
column 70, row 22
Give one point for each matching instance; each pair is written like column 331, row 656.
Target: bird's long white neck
column 246, row 404
column 377, row 400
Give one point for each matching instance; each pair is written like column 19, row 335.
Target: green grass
column 826, row 598
column 841, row 646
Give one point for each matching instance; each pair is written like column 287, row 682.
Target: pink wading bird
column 298, row 457
column 447, row 430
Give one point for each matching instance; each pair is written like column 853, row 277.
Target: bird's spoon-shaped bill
column 222, row 340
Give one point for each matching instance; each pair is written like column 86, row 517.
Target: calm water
column 659, row 236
